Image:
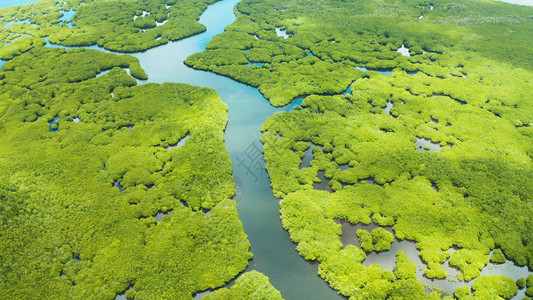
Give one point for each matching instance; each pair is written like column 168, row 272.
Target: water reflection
column 424, row 145
column 53, row 125
column 403, row 50
column 281, row 33
column 274, row 252
column 180, row 143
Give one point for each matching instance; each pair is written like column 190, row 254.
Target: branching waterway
column 274, row 253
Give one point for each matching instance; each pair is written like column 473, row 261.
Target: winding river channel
column 274, row 253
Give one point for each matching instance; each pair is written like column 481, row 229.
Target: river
column 274, row 253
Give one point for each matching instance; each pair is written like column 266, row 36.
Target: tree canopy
column 331, row 43
column 250, row 285
column 88, row 162
column 440, row 149
column 121, row 26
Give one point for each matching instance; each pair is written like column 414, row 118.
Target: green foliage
column 471, row 96
column 366, row 240
column 42, row 67
column 344, row 271
column 130, row 294
column 19, row 46
column 440, row 200
column 379, row 240
column 529, row 285
column 378, row 218
column 473, row 194
column 404, row 268
column 469, row 261
column 115, row 25
column 280, row 82
column 521, row 283
column 347, row 275
column 498, row 257
column 487, row 287
column 343, row 34
column 137, row 71
column 382, row 239
column 462, row 292
column 67, row 230
column 379, row 147
column 250, row 285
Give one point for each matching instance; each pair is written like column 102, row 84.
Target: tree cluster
column 85, row 168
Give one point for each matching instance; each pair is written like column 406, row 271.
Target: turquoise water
column 7, row 3
column 54, row 122
column 274, row 253
column 256, row 64
column 67, row 17
column 7, row 24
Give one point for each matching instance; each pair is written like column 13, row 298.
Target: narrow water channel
column 274, row 252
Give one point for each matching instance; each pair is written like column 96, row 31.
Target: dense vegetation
column 86, row 167
column 470, row 103
column 251, row 285
column 475, row 194
column 529, row 285
column 329, row 38
column 123, row 26
column 89, row 160
column 108, row 187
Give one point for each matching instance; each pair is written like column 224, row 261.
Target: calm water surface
column 7, row 3
column 274, row 253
